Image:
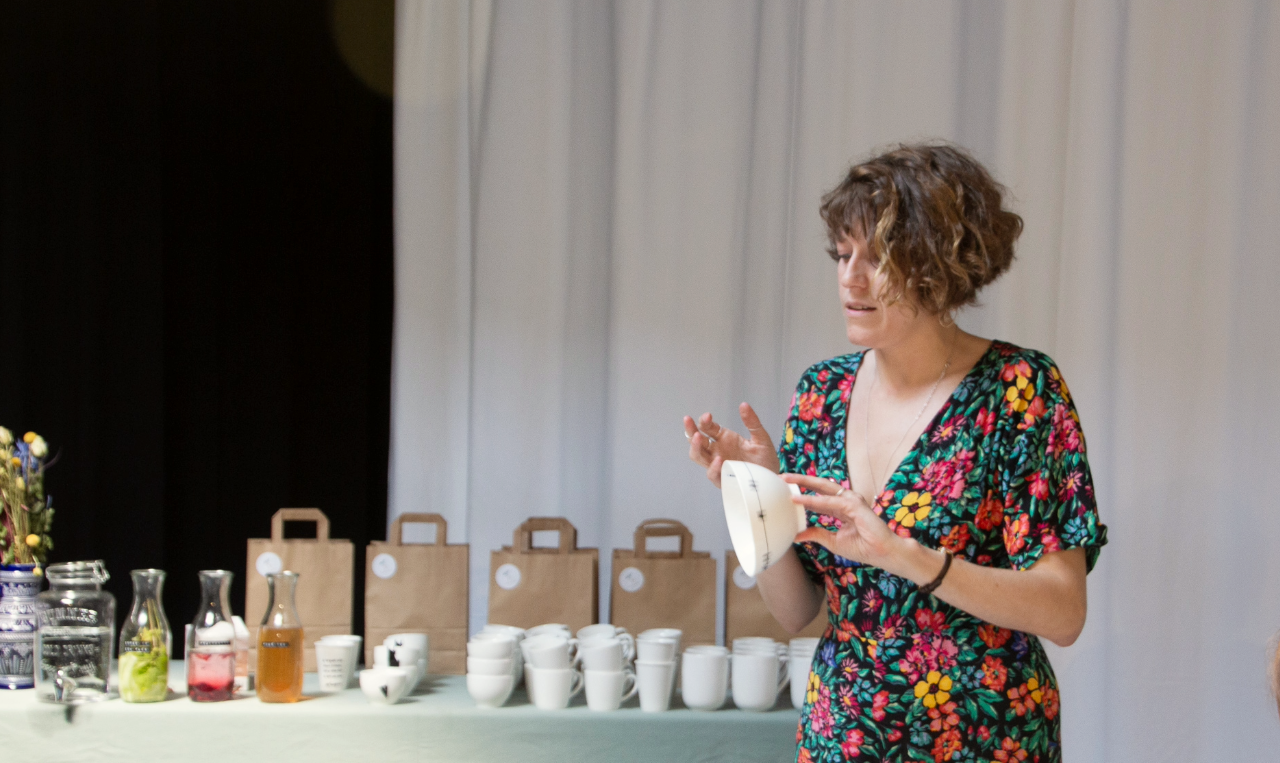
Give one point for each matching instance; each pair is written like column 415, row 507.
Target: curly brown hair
column 934, row 218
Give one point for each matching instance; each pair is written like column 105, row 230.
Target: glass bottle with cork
column 280, row 644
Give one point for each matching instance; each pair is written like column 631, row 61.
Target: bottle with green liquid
column 145, row 642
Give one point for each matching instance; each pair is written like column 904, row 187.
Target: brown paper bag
column 665, row 589
column 418, row 588
column 530, row 586
column 325, row 574
column 745, row 613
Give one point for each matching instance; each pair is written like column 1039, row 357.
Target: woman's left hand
column 863, row 536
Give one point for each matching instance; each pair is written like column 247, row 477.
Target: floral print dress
column 999, row 478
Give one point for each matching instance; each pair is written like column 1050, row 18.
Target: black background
column 195, row 279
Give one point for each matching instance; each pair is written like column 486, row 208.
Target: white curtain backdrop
column 606, row 218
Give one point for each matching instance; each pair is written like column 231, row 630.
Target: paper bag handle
column 442, row 527
column 663, row 528
column 523, row 541
column 299, row 515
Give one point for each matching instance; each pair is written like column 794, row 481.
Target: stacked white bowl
column 606, row 654
column 656, row 653
column 759, row 672
column 494, row 664
column 799, row 661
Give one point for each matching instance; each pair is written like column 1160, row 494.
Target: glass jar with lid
column 75, row 632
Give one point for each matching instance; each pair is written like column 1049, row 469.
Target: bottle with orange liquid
column 280, row 642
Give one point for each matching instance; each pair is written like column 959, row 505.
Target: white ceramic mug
column 599, row 629
column 510, row 630
column 503, row 647
column 384, row 686
column 800, row 662
column 490, row 691
column 655, row 680
column 758, row 679
column 486, row 667
column 418, row 641
column 335, row 664
column 551, row 689
column 763, row 519
column 549, row 651
column 602, row 654
column 661, row 633
column 552, row 628
column 657, row 650
column 626, row 639
column 608, row 689
column 704, row 677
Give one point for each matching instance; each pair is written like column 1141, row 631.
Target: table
column 438, row 723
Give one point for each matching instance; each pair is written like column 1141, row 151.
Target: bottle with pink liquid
column 211, row 642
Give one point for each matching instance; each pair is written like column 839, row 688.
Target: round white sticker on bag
column 742, row 580
column 384, row 565
column 507, row 576
column 268, row 562
column 631, row 580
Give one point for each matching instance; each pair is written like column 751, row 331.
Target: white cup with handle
column 657, row 650
column 549, row 652
column 758, row 678
column 704, row 677
column 549, row 628
column 494, row 647
column 551, row 688
column 602, row 654
column 605, row 631
column 484, row 666
column 608, row 689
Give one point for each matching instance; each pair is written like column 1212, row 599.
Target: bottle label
column 138, row 647
column 201, row 642
column 276, row 644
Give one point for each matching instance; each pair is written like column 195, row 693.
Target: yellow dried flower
column 33, row 540
column 6, row 437
column 16, row 461
column 29, row 437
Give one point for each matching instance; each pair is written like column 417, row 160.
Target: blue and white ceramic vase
column 19, row 586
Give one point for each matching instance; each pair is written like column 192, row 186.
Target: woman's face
column 868, row 321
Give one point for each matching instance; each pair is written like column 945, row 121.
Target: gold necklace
column 866, row 427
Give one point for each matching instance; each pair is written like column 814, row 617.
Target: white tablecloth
column 438, row 723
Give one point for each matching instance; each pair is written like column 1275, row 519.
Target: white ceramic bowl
column 492, row 649
column 490, row 691
column 385, row 686
column 763, row 520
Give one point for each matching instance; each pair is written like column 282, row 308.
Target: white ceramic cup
column 551, row 689
column 599, row 629
column 552, row 628
column 602, row 654
column 704, row 678
column 657, row 650
column 656, row 681
column 384, row 686
column 510, row 630
column 799, row 663
column 418, row 641
column 490, row 691
column 335, row 664
column 758, row 679
column 608, row 689
column 661, row 633
column 549, row 651
column 628, row 641
column 485, row 667
column 502, row 647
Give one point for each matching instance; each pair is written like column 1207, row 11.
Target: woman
column 952, row 514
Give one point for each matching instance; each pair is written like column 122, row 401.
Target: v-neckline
column 924, row 436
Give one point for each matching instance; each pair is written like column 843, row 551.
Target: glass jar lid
column 77, row 573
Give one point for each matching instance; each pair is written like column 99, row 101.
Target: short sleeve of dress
column 796, row 458
column 1049, row 500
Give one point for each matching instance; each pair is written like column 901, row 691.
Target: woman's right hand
column 710, row 444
